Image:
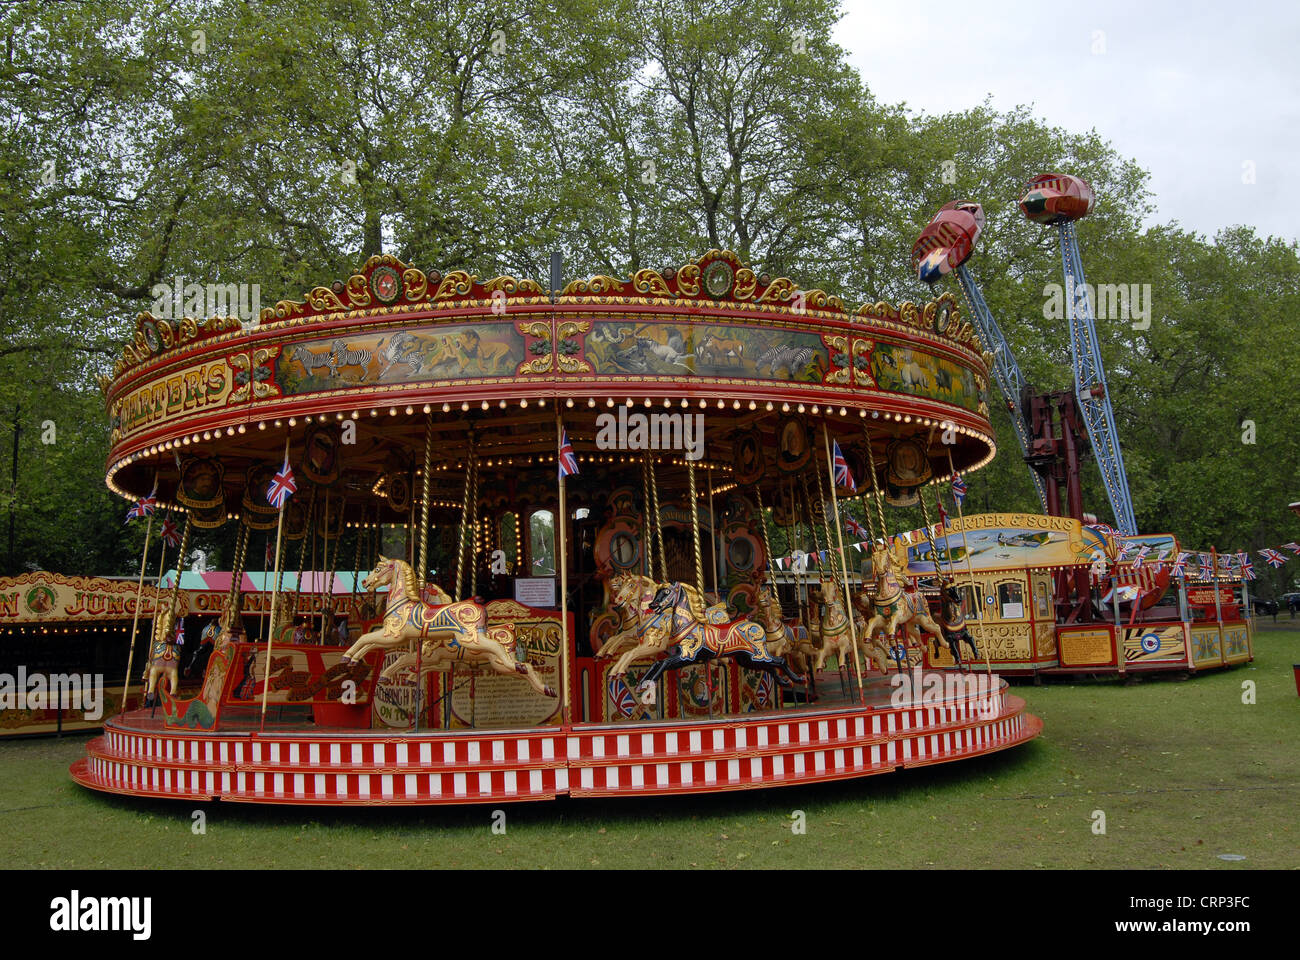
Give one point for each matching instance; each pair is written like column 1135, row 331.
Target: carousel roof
column 360, row 372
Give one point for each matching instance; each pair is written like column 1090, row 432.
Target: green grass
column 1184, row 771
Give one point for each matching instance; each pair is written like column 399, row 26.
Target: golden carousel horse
column 873, row 648
column 449, row 632
column 833, row 623
column 781, row 640
column 699, row 634
column 894, row 606
column 164, row 658
column 629, row 594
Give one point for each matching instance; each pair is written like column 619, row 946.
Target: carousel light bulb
column 609, row 402
column 242, row 428
column 862, row 414
column 591, row 401
column 207, row 434
column 753, row 405
column 907, row 419
column 484, row 405
column 843, row 412
column 446, row 408
column 814, row 409
column 464, row 408
column 785, row 408
column 801, row 408
column 428, row 409
column 524, row 404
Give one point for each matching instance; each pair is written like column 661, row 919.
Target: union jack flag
column 843, row 478
column 1141, row 556
column 1293, row 547
column 1247, row 568
column 943, row 514
column 171, row 534
column 1127, row 550
column 144, row 507
column 1180, row 565
column 855, row 529
column 958, row 489
column 621, row 697
column 282, row 486
column 568, row 459
column 1272, row 558
column 1207, row 566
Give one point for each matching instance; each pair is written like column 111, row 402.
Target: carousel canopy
column 359, row 375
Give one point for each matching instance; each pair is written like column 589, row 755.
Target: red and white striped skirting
column 664, row 757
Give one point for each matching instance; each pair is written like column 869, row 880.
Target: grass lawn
column 1184, row 771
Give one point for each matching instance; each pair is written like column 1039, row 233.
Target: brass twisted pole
column 695, row 529
column 425, row 485
column 659, row 529
column 464, row 521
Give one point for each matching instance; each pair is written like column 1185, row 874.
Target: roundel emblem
column 1150, row 643
column 386, row 284
column 718, row 278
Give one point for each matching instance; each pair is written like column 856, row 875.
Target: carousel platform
column 305, row 764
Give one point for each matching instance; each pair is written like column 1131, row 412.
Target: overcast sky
column 1191, row 91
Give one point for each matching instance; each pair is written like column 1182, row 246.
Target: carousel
column 572, row 512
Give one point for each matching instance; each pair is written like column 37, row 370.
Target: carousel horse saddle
column 717, row 614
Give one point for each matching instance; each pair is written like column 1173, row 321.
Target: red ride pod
column 1054, row 197
column 948, row 240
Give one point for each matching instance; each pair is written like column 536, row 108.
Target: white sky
column 1189, row 90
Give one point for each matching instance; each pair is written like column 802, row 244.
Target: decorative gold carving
column 599, row 285
column 513, row 285
column 414, row 284
column 746, row 284
column 778, row 291
column 862, row 375
column 688, row 280
column 820, row 300
column 457, row 283
column 358, row 291
column 323, row 299
column 650, row 282
column 239, row 364
column 838, row 346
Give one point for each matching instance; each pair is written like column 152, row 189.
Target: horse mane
column 695, row 601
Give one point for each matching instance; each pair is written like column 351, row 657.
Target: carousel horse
column 896, row 607
column 199, row 659
column 630, row 594
column 781, row 640
column 164, row 658
column 448, row 632
column 873, row 648
column 700, row 634
column 833, row 623
column 952, row 620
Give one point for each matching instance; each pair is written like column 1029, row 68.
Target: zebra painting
column 341, row 356
column 784, row 357
column 403, row 348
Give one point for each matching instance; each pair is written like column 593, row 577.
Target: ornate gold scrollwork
column 746, row 284
column 358, row 291
column 457, row 283
column 323, row 299
column 242, row 371
column 569, row 345
column 540, row 331
column 261, row 388
column 862, row 372
column 838, row 347
column 414, row 284
column 651, row 283
column 599, row 285
column 779, row 290
column 513, row 285
column 688, row 280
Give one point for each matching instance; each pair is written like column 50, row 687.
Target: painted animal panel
column 906, row 370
